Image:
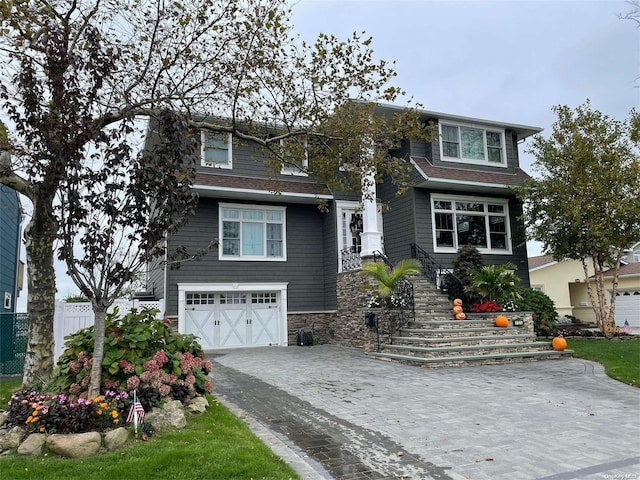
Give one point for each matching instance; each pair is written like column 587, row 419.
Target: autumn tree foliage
column 78, row 76
column 584, row 205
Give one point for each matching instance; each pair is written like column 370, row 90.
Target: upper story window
column 252, row 232
column 297, row 157
column 461, row 143
column 481, row 222
column 216, row 149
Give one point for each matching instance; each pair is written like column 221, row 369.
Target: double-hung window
column 468, row 144
column 216, row 149
column 458, row 221
column 252, row 232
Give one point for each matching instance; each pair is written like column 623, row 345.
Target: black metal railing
column 446, row 281
column 14, row 329
column 350, row 259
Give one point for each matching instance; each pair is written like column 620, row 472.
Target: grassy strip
column 216, row 445
column 620, row 358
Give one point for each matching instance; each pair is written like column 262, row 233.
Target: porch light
column 518, row 322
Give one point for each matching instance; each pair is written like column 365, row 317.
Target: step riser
column 455, row 352
column 435, row 339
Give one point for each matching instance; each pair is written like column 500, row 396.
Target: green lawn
column 216, row 445
column 620, row 357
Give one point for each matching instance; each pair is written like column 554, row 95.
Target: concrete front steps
column 436, row 339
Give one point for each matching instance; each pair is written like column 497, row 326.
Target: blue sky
column 502, row 60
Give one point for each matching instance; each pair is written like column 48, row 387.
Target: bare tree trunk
column 100, row 314
column 40, row 235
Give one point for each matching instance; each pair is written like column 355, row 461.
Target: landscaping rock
column 33, row 444
column 11, row 438
column 75, row 445
column 3, row 418
column 197, row 405
column 115, row 439
column 170, row 415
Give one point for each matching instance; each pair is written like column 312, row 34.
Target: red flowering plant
column 487, row 306
column 140, row 353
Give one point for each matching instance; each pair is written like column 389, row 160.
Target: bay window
column 252, row 232
column 472, row 145
column 480, row 222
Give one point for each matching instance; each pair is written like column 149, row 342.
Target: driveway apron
column 340, row 414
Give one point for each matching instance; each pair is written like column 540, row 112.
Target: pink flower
column 208, row 386
column 160, row 357
column 75, row 367
column 133, row 382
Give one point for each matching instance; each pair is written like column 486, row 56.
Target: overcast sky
column 509, row 61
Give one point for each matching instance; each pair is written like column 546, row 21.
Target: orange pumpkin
column 502, row 321
column 460, row 316
column 457, row 309
column 457, row 302
column 559, row 343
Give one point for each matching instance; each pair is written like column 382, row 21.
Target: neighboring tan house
column 280, row 256
column 564, row 283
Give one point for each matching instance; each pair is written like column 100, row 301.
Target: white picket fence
column 71, row 317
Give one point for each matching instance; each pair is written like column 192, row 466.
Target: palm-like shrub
column 497, row 283
column 388, row 278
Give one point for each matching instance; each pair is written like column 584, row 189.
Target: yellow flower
column 29, row 419
column 114, row 414
column 103, row 405
column 116, row 421
column 99, row 412
column 38, row 408
column 41, row 429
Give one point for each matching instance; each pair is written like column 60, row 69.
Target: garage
column 233, row 316
column 628, row 308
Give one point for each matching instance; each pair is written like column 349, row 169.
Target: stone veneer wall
column 321, row 323
column 353, row 290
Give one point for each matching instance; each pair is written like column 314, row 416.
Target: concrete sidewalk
column 333, row 412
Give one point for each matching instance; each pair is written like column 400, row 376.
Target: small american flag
column 136, row 413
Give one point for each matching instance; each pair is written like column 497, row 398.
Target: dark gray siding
column 399, row 222
column 304, row 270
column 249, row 161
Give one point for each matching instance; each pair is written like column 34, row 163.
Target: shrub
column 467, row 261
column 140, row 353
column 543, row 308
column 487, row 306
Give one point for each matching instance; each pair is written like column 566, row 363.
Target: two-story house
column 280, row 256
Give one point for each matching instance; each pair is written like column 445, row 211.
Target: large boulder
column 11, row 438
column 74, row 445
column 115, row 439
column 197, row 405
column 170, row 415
column 33, row 444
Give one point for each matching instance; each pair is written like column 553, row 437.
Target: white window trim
column 462, row 198
column 471, row 161
column 342, row 205
column 292, row 170
column 229, row 164
column 253, row 258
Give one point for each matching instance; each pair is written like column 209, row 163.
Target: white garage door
column 628, row 308
column 234, row 319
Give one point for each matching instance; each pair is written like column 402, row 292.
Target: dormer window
column 216, row 149
column 297, row 157
column 470, row 144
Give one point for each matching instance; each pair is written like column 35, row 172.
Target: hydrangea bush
column 140, row 353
